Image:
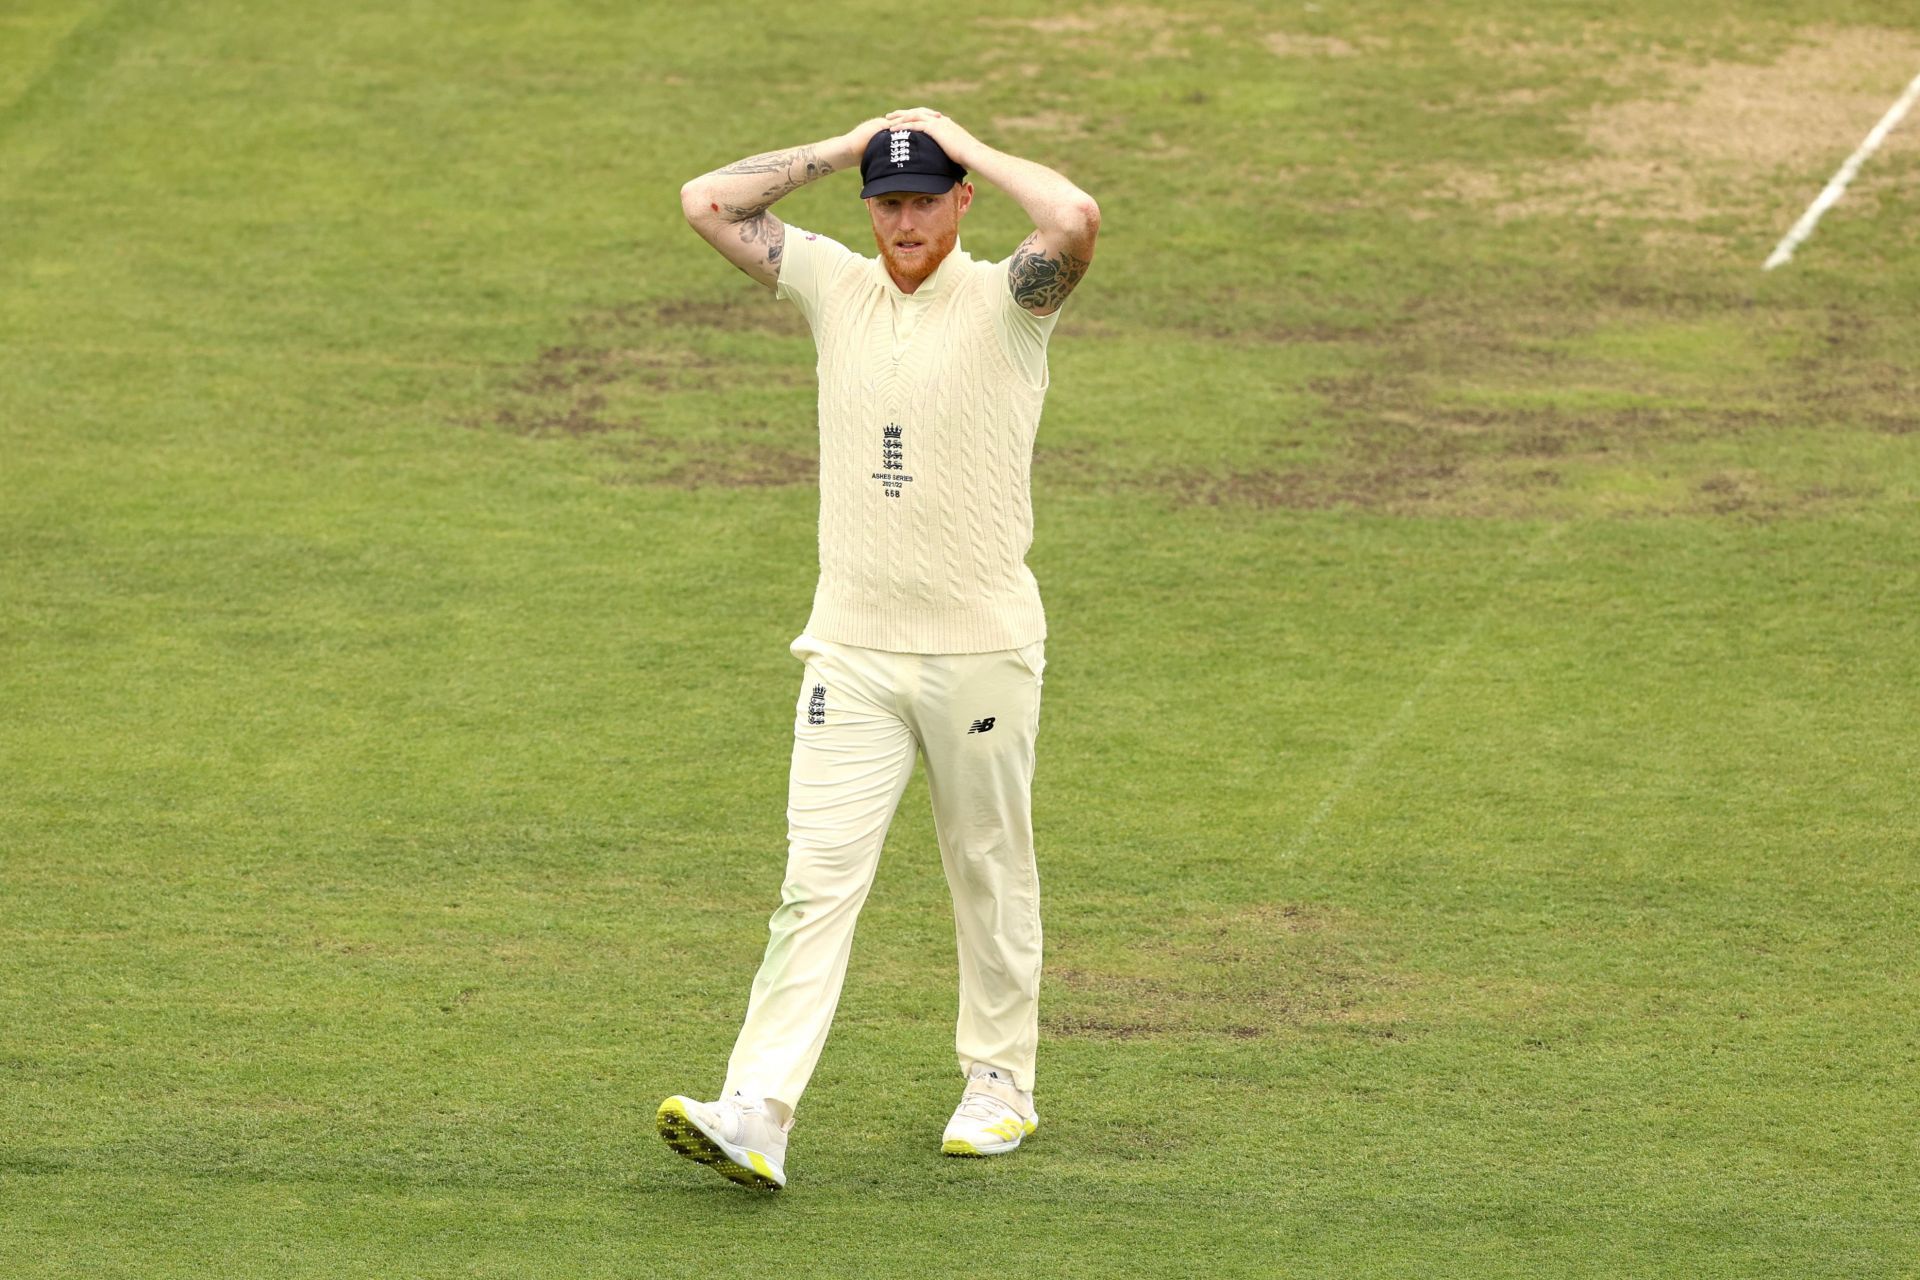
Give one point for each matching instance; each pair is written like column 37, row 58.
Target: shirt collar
column 943, row 275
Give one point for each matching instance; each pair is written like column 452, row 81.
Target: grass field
column 1477, row 802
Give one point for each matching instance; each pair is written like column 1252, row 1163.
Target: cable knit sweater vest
column 926, row 444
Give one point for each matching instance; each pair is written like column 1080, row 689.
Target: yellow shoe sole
column 961, row 1147
column 687, row 1139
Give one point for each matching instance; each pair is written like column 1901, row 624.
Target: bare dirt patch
column 1720, row 136
column 1806, row 110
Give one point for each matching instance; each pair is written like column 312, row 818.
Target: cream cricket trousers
column 860, row 717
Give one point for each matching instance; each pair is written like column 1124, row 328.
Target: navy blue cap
column 906, row 160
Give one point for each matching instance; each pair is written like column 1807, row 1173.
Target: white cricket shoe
column 992, row 1116
column 735, row 1137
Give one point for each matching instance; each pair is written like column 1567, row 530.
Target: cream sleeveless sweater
column 927, row 419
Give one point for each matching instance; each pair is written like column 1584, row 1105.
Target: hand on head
column 865, row 130
column 953, row 139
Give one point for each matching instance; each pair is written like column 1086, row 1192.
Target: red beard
column 915, row 267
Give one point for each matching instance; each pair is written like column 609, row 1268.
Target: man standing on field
column 926, row 631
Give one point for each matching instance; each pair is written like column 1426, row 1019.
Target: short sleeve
column 809, row 263
column 1023, row 335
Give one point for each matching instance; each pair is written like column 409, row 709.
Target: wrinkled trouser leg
column 982, row 787
column 852, row 756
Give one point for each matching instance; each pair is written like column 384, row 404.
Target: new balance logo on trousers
column 981, row 726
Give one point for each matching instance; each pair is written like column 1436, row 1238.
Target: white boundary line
column 1363, row 759
column 1783, row 252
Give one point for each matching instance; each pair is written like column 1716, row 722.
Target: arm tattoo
column 1040, row 282
column 764, row 228
column 797, row 166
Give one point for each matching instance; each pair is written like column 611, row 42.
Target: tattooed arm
column 729, row 207
column 1066, row 221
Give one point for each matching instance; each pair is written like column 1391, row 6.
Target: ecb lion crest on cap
column 906, row 160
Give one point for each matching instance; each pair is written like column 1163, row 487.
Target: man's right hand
column 853, row 143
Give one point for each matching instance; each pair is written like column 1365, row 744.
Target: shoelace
column 983, row 1107
column 735, row 1114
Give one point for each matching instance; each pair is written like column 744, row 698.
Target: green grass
column 1476, row 803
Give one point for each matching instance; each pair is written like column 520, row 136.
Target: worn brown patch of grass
column 628, row 374
column 1137, row 32
column 1616, row 406
column 1718, row 137
column 1289, row 44
column 750, row 314
column 1246, row 972
column 750, row 464
column 1402, row 451
column 947, row 88
column 1058, row 124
